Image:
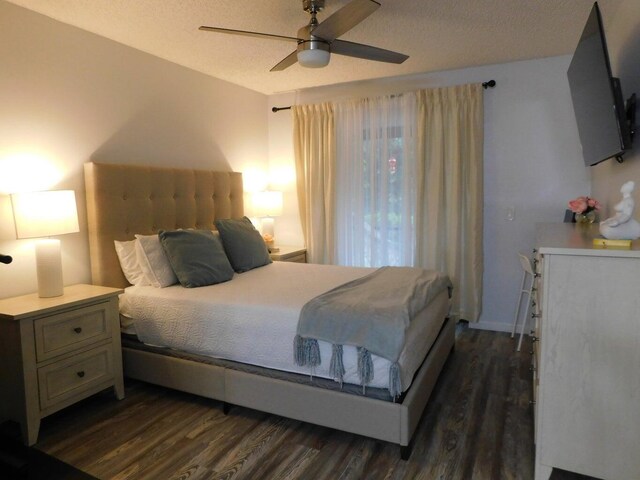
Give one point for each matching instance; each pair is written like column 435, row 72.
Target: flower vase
column 585, row 218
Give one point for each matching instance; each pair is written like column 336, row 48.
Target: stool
column 527, row 278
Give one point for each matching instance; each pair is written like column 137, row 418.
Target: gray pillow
column 243, row 243
column 196, row 257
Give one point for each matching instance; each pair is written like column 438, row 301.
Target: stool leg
column 517, row 315
column 526, row 311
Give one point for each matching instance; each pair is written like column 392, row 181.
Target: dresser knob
column 80, row 373
column 77, row 329
column 534, row 339
column 532, row 402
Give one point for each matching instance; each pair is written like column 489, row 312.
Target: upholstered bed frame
column 123, row 200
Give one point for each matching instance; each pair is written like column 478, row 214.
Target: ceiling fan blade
column 367, row 52
column 249, row 34
column 345, row 19
column 286, row 62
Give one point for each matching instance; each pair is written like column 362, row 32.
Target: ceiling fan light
column 313, row 54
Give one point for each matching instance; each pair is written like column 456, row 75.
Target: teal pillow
column 243, row 243
column 196, row 257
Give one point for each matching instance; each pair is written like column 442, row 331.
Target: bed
column 127, row 200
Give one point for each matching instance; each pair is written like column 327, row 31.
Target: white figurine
column 622, row 225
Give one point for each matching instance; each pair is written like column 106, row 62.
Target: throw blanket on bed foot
column 371, row 313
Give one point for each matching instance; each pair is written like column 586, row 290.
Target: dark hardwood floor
column 478, row 425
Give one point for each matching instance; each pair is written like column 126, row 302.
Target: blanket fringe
column 395, row 382
column 306, row 351
column 336, row 368
column 365, row 367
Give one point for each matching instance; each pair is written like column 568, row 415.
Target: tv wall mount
column 630, row 114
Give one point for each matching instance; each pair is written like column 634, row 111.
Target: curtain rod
column 485, row 85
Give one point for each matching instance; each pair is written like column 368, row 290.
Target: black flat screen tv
column 597, row 96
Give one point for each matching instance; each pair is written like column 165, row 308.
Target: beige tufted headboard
column 123, row 200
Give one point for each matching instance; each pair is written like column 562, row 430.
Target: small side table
column 290, row 254
column 57, row 351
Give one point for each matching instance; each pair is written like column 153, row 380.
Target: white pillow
column 129, row 262
column 154, row 262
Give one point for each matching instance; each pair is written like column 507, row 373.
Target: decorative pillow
column 126, row 252
column 154, row 262
column 243, row 244
column 197, row 257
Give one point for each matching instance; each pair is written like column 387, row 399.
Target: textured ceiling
column 436, row 34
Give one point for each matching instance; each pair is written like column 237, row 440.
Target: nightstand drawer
column 298, row 258
column 290, row 254
column 69, row 378
column 65, row 332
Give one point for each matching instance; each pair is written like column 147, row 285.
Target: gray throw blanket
column 371, row 313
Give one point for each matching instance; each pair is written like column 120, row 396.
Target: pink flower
column 578, row 205
column 593, row 203
column 584, row 205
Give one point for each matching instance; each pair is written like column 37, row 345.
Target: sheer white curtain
column 399, row 183
column 376, row 181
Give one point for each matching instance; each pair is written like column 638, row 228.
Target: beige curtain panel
column 450, row 137
column 314, row 143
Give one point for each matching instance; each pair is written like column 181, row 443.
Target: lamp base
column 49, row 268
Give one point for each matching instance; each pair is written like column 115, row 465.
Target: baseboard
column 494, row 326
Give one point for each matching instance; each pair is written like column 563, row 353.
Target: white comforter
column 253, row 319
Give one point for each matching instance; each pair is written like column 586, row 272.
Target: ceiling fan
column 317, row 41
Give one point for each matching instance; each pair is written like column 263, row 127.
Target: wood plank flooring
column 478, row 425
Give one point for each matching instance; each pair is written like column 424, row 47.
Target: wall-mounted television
column 605, row 125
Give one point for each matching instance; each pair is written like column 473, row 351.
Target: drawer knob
column 78, row 329
column 532, row 402
column 80, row 373
column 534, row 339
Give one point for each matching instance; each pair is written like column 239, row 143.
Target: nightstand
column 290, row 254
column 57, row 351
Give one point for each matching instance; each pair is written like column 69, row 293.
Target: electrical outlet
column 510, row 214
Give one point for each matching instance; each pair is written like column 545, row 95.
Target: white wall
column 68, row 97
column 622, row 28
column 532, row 160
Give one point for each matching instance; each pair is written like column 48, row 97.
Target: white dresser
column 587, row 357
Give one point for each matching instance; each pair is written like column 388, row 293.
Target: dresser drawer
column 71, row 377
column 68, row 331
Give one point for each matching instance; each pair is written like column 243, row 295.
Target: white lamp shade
column 44, row 214
column 267, row 204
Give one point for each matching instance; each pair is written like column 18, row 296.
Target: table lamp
column 268, row 204
column 44, row 214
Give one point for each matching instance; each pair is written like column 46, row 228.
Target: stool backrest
column 526, row 263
